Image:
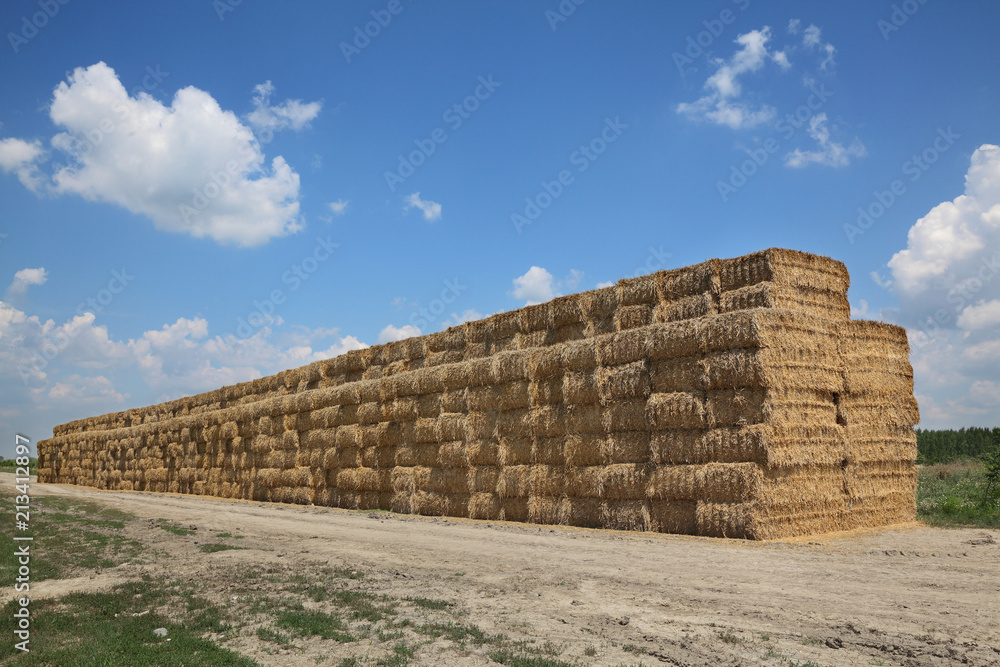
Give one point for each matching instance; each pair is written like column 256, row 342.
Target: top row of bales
column 774, row 278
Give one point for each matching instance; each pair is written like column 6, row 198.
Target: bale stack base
column 732, row 398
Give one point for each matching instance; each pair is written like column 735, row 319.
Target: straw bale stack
column 731, row 398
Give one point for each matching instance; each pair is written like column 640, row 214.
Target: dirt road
column 910, row 595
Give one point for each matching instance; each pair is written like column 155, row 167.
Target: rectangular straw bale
column 676, row 339
column 585, row 512
column 631, row 317
column 635, row 291
column 584, row 419
column 515, row 450
column 599, row 304
column 449, row 426
column 548, row 421
column 514, row 481
column 584, row 449
column 580, row 387
column 533, row 319
column 785, row 267
column 735, row 407
column 585, row 481
column 623, row 347
column 453, row 455
column 570, row 332
column 548, row 450
column 447, row 481
column 513, row 423
column 483, row 478
column 482, row 452
column 543, row 363
column 687, row 308
column 626, row 447
column 544, row 510
column 625, row 381
column 547, row 480
column 679, row 517
column 625, row 481
column 688, row 281
column 484, row 506
column 429, row 405
column 546, row 391
column 527, row 341
column 514, row 509
column 677, row 410
column 628, row 514
column 580, row 356
column 422, row 454
column 678, row 374
column 726, row 520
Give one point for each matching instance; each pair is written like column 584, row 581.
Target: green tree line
column 951, row 445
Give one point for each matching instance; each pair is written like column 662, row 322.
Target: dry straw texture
column 731, row 398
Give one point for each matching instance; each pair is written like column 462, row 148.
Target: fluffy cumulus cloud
column 75, row 368
column 430, row 209
column 21, row 158
column 721, row 103
column 829, row 152
column 535, row 286
column 190, row 166
column 24, row 278
column 947, row 280
column 267, row 119
column 392, row 333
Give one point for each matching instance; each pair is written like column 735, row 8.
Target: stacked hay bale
column 731, row 398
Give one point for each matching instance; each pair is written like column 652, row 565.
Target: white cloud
column 860, row 311
column 338, row 207
column 951, row 252
column 812, row 39
column 948, row 283
column 24, row 278
column 830, row 153
column 21, row 157
column 266, row 119
column 720, row 105
column 468, row 315
column 78, row 389
column 535, row 286
column 190, row 167
column 606, row 283
column 983, row 315
column 793, row 26
column 431, row 209
column 392, row 333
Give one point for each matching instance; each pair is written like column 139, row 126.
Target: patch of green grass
column 505, row 657
column 98, row 629
column 212, row 547
column 229, row 536
column 952, row 494
column 275, row 637
column 428, row 603
column 632, row 648
column 457, row 633
column 176, row 530
column 361, row 606
column 349, row 662
column 729, row 637
column 69, row 535
column 305, row 622
column 590, row 651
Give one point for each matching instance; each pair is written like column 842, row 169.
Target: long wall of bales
column 731, row 398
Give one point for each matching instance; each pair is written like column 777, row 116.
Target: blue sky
column 200, row 193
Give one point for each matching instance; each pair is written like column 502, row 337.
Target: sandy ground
column 908, row 595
